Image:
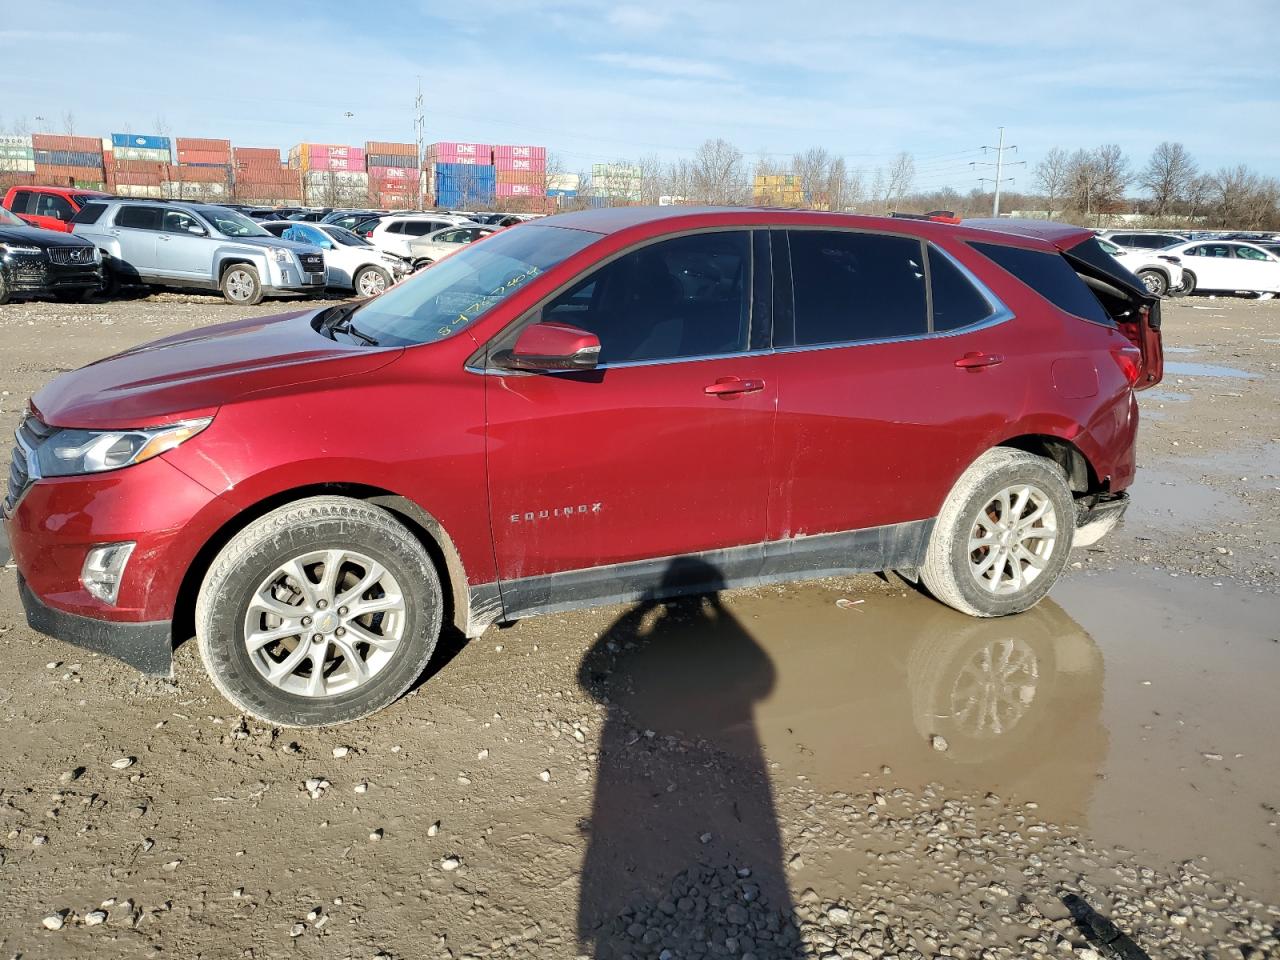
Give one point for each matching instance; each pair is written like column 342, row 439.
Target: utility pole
column 1000, row 179
column 419, row 129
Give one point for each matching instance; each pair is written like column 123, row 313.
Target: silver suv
column 200, row 246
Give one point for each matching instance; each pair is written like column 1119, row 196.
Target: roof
column 609, row 220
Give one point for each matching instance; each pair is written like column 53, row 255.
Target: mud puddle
column 1138, row 706
column 1180, row 369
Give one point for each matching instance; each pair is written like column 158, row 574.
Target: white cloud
column 666, row 66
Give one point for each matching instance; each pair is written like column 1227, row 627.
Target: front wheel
column 371, row 281
column 5, row 294
column 1155, row 282
column 1003, row 535
column 241, row 285
column 323, row 611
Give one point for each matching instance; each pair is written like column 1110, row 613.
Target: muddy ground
column 842, row 769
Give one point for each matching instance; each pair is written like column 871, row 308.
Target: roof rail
column 937, row 216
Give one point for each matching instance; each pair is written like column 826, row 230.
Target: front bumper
column 32, row 275
column 146, row 646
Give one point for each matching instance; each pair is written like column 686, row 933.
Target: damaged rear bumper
column 1095, row 519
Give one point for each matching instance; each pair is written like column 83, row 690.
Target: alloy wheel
column 239, row 285
column 324, row 623
column 1012, row 539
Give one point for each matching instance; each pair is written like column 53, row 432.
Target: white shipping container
column 15, row 140
column 184, row 190
column 153, row 154
column 139, row 190
column 564, row 181
column 17, row 166
column 327, row 177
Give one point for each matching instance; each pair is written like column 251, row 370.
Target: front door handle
column 732, row 387
column 976, row 361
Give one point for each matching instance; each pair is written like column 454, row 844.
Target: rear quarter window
column 91, row 212
column 1049, row 275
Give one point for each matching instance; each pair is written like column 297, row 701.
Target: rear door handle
column 976, row 361
column 732, row 386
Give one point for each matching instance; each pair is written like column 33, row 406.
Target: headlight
column 12, row 249
column 283, row 256
column 72, row 452
column 97, row 255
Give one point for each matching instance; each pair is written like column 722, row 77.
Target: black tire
column 5, row 294
column 947, row 571
column 1157, row 283
column 1187, row 286
column 294, row 530
column 421, row 264
column 368, row 276
column 241, row 285
column 71, row 296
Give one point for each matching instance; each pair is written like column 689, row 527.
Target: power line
column 999, row 165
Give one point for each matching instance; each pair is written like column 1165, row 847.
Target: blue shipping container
column 139, row 140
column 561, row 193
column 68, row 158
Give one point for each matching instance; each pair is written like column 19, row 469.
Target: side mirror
column 554, row 346
column 197, row 230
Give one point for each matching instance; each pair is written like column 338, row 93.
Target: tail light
column 1129, row 359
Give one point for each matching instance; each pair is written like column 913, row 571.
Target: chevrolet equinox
column 561, row 415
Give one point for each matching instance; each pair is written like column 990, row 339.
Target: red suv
column 586, row 409
column 49, row 207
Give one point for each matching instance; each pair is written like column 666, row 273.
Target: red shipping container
column 204, row 156
column 257, row 153
column 391, row 149
column 506, row 151
column 198, row 174
column 455, row 158
column 517, row 163
column 322, row 151
column 333, row 163
column 517, row 190
column 54, row 141
column 57, row 175
column 521, row 176
column 391, row 173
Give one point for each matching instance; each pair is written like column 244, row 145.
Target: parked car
column 349, row 218
column 1160, row 272
column 350, row 261
column 1227, row 267
column 441, row 243
column 310, row 216
column 50, row 208
column 198, row 246
column 394, row 233
column 600, row 407
column 1143, row 239
column 44, row 263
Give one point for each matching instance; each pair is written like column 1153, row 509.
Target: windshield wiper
column 338, row 321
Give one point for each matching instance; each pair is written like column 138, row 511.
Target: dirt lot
column 843, row 769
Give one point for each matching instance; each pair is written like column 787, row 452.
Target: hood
column 192, row 374
column 270, row 241
column 40, row 238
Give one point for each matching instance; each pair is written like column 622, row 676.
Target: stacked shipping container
column 616, row 182
column 258, row 176
column 203, row 170
column 778, row 190
column 393, row 174
column 521, row 171
column 66, row 161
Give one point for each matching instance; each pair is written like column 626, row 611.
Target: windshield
column 346, row 237
column 10, row 219
column 231, row 224
column 448, row 296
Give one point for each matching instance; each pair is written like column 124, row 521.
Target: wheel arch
column 1082, row 478
column 425, row 527
column 229, row 260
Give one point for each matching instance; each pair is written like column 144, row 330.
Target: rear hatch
column 1135, row 312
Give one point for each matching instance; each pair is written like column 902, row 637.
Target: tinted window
column 956, row 301
column 1049, row 275
column 52, row 205
column 21, row 201
column 684, row 297
column 420, row 228
column 397, row 227
column 856, row 286
column 90, row 213
column 139, row 218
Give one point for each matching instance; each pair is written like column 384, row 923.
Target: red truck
column 591, row 408
column 49, row 207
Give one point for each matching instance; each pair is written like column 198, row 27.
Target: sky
column 597, row 81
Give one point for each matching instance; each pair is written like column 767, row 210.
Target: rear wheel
column 240, row 285
column 371, row 281
column 323, row 611
column 1003, row 535
column 1187, row 285
column 1155, row 282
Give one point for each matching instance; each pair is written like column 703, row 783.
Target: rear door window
column 1248, row 253
column 21, row 202
column 1049, row 275
column 138, row 217
column 852, row 287
column 956, row 301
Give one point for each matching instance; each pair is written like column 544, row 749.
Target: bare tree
column 69, row 123
column 1167, row 175
column 1053, row 178
column 900, row 178
column 653, row 179
column 1113, row 176
column 717, row 173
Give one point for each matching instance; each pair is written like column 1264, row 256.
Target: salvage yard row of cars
column 249, row 253
column 115, row 242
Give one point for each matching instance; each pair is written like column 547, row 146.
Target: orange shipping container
column 52, row 174
column 198, row 174
column 257, row 153
column 203, row 144
column 220, row 157
column 521, row 176
column 391, row 149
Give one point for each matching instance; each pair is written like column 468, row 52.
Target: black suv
column 44, row 263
